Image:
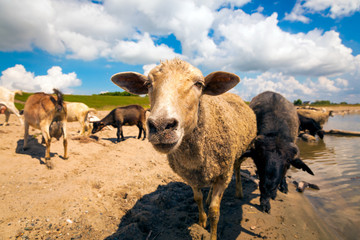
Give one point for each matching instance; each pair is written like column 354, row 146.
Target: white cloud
column 18, row 78
column 141, row 51
column 256, row 43
column 292, row 88
column 277, row 82
column 297, row 14
column 214, row 35
column 335, row 8
column 326, row 84
column 148, row 68
column 342, row 82
column 126, row 31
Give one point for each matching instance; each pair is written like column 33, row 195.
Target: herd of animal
column 205, row 132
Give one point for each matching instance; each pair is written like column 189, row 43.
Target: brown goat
column 203, row 135
column 47, row 113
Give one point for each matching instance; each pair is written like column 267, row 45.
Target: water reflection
column 336, row 164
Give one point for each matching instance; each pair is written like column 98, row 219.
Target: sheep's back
column 318, row 116
column 226, row 127
column 275, row 114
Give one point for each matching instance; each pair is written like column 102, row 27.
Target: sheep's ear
column 298, row 163
column 131, row 82
column 219, row 82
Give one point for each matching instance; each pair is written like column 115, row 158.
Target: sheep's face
column 97, row 126
column 174, row 92
column 175, row 88
column 273, row 157
column 271, row 172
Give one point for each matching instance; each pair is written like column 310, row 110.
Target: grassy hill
column 99, row 102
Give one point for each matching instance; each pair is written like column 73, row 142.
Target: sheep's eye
column 148, row 84
column 199, row 85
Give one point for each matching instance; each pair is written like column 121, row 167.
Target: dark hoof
column 265, row 206
column 66, row 158
column 49, row 165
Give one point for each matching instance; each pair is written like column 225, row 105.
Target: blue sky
column 307, row 49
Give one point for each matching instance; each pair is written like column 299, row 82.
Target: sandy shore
column 126, row 190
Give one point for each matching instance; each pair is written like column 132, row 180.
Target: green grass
column 99, row 102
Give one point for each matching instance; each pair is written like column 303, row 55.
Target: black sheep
column 274, row 148
column 311, row 125
column 118, row 117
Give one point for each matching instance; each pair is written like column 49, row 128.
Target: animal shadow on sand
column 114, row 140
column 170, row 212
column 35, row 149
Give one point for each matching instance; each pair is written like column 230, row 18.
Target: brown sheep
column 47, row 113
column 202, row 132
column 77, row 111
column 319, row 117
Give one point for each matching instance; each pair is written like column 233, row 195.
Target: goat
column 47, row 113
column 274, row 148
column 203, row 135
column 129, row 115
column 7, row 99
column 77, row 111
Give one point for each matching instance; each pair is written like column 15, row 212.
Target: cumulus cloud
column 256, row 43
column 335, row 9
column 126, row 31
column 214, row 35
column 18, row 78
column 290, row 87
column 141, row 51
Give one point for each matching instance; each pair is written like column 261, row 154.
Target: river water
column 335, row 160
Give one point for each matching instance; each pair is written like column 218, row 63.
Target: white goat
column 77, row 111
column 7, row 99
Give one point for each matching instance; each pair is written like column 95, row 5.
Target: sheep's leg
column 7, row 117
column 26, row 135
column 13, row 109
column 65, row 142
column 47, row 138
column 140, row 130
column 214, row 209
column 208, row 199
column 283, row 187
column 198, row 197
column 238, row 186
column 88, row 128
column 83, row 127
column 144, row 129
column 119, row 133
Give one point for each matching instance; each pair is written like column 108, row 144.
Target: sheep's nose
column 159, row 125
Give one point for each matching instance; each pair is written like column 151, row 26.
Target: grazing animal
column 203, row 133
column 122, row 116
column 274, row 148
column 77, row 111
column 318, row 116
column 7, row 99
column 309, row 124
column 47, row 113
